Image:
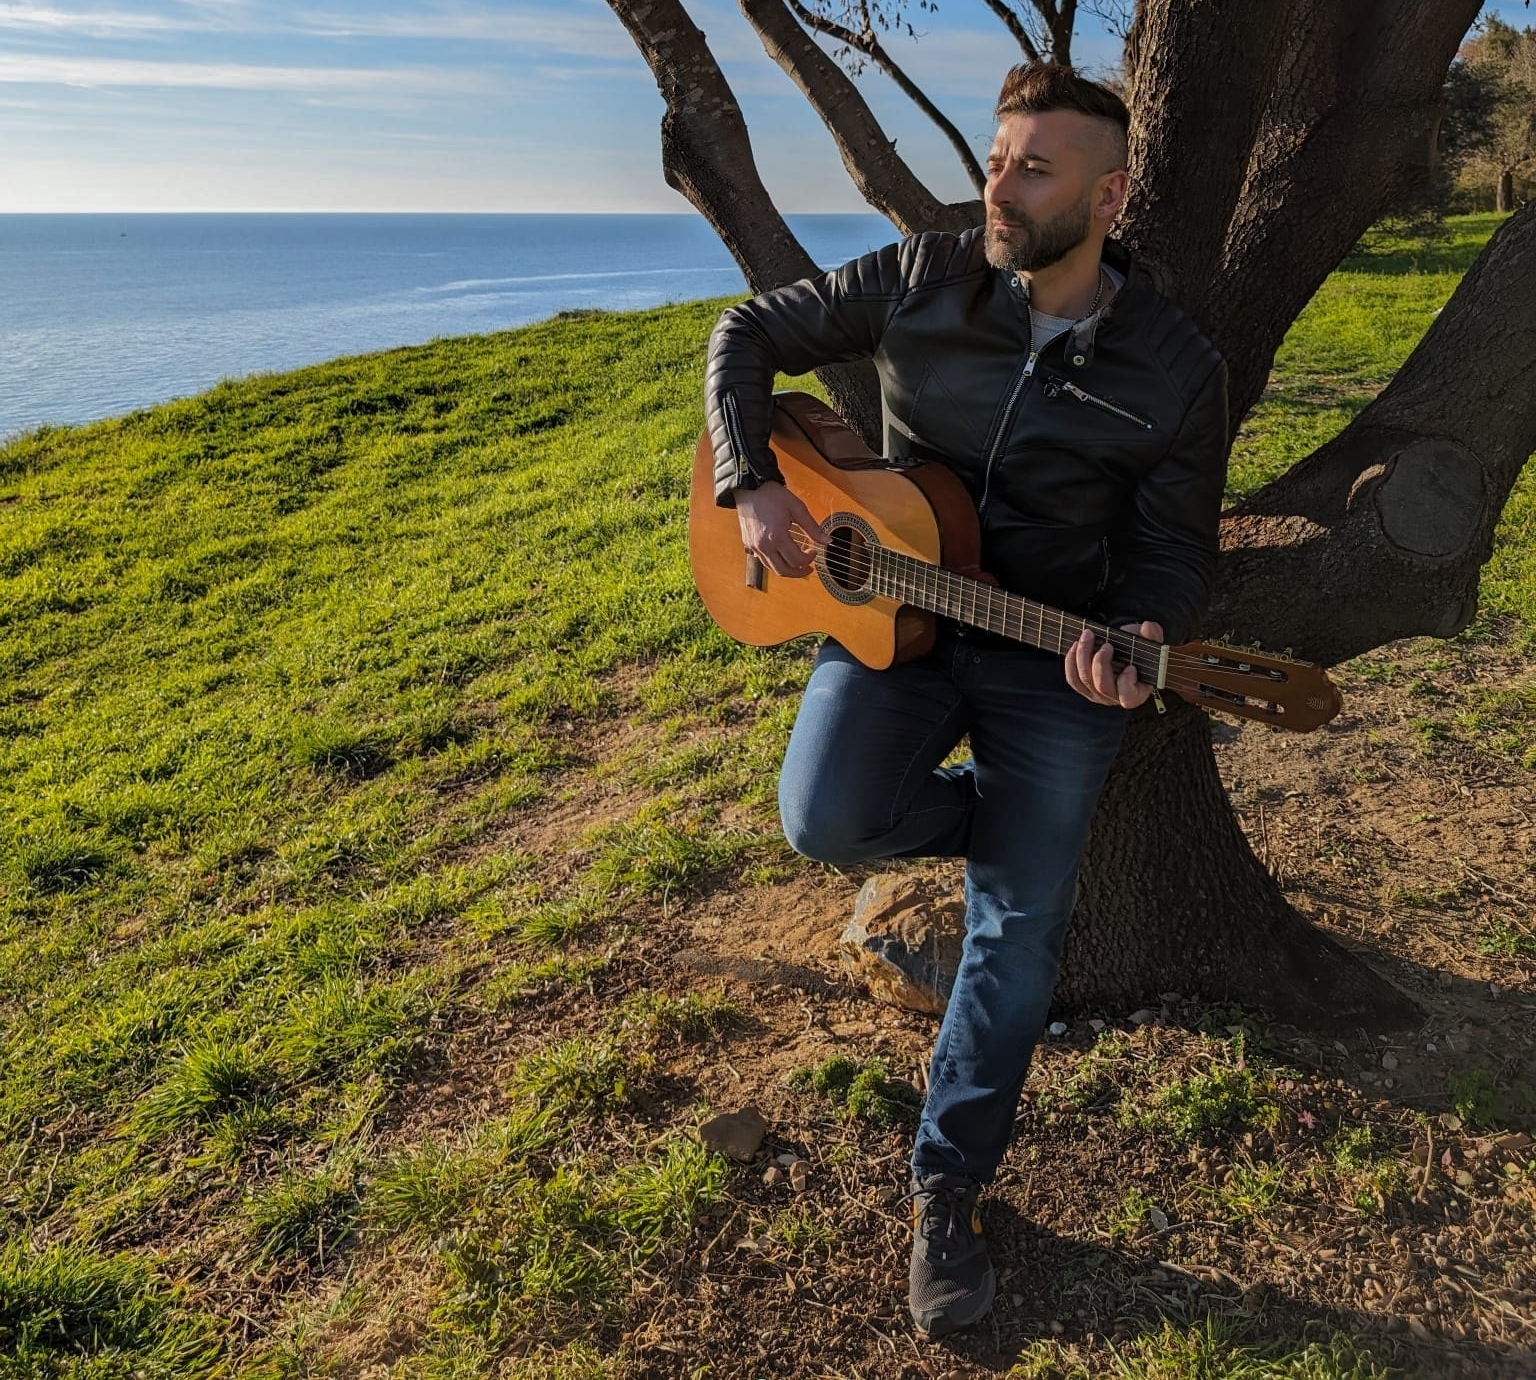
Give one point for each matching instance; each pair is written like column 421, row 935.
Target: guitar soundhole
column 846, row 566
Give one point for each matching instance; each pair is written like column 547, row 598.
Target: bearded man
column 1087, row 417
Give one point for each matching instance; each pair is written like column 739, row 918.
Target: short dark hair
column 1034, row 87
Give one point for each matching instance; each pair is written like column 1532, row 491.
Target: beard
column 1027, row 246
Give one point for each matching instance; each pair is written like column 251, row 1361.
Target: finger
column 1104, row 673
column 800, row 515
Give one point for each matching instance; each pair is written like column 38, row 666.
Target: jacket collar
column 1080, row 337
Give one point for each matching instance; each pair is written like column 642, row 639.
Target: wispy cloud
column 46, row 70
column 567, row 29
column 48, row 19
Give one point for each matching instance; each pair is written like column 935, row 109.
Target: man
column 1087, row 416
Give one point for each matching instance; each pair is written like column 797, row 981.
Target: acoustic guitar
column 904, row 550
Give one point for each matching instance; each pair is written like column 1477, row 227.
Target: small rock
column 799, row 1175
column 1056, row 1328
column 1464, row 1178
column 786, row 1160
column 1158, row 1218
column 772, row 1175
column 1170, row 997
column 904, row 943
column 1432, row 1048
column 1389, row 1060
column 1018, row 1300
column 737, row 1134
column 1254, row 1297
column 1143, row 1016
column 1058, row 1028
column 1095, row 1026
column 1450, row 1121
column 1389, row 1082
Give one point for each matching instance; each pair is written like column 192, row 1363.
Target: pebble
column 1389, row 1060
column 772, row 1175
column 1095, row 1026
column 1058, row 1027
column 799, row 1175
column 1143, row 1016
column 786, row 1160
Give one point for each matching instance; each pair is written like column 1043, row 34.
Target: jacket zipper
column 1002, row 428
column 1055, row 385
column 733, row 427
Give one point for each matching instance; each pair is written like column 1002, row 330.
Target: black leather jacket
column 1098, row 474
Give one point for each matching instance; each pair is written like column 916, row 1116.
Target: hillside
column 391, row 887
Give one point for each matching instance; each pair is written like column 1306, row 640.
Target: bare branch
column 1027, row 45
column 868, row 42
column 881, row 175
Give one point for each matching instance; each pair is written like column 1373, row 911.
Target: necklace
column 1092, row 306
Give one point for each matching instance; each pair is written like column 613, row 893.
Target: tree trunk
column 1173, row 899
column 1505, row 201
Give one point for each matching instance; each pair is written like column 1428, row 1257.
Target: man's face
column 1046, row 188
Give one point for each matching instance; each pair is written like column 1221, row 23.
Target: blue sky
column 532, row 105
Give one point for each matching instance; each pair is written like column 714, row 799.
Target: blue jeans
column 862, row 779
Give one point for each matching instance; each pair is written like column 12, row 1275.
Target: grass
column 296, row 995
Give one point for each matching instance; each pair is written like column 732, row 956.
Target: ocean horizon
column 104, row 313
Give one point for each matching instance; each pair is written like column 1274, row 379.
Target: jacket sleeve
column 1172, row 558
column 832, row 319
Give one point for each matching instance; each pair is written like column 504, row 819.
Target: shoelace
column 959, row 1210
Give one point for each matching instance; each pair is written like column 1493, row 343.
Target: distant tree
column 1497, row 157
column 1265, row 139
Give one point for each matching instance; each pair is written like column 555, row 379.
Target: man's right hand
column 774, row 526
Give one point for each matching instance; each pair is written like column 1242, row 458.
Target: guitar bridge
column 754, row 572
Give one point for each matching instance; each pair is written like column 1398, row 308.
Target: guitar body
column 923, row 511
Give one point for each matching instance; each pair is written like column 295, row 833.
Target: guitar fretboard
column 979, row 605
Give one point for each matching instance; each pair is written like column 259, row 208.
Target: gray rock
column 904, row 943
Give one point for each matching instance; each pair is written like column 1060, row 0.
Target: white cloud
column 92, row 23
column 45, row 70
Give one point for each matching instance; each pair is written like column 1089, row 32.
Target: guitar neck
column 980, row 605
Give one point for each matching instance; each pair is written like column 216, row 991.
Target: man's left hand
column 1092, row 674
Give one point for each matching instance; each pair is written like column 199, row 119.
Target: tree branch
column 1015, row 26
column 881, row 175
column 868, row 42
column 1383, row 532
column 706, row 155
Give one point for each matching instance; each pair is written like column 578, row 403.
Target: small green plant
column 337, row 746
column 803, row 1231
column 218, row 1076
column 1130, row 1215
column 1205, row 1108
column 577, row 1077
column 1249, row 1191
column 303, row 1217
column 656, row 1202
column 864, row 1092
column 1501, row 939
column 67, row 1301
column 518, row 982
column 61, row 860
column 1093, row 1080
column 696, row 1017
column 1484, row 1104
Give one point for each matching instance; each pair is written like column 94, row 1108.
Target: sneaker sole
column 944, row 1321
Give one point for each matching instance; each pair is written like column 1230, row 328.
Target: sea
column 102, row 314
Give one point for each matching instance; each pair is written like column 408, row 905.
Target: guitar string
column 956, row 586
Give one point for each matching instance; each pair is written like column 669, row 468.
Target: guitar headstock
column 1253, row 684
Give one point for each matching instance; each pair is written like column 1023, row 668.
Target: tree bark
column 706, row 154
column 882, row 176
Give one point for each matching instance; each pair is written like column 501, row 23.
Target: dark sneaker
column 952, row 1282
